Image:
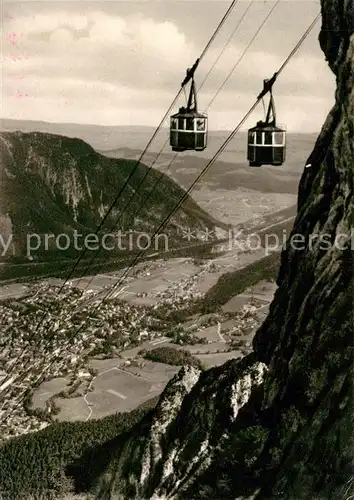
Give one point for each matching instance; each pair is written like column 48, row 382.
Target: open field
column 238, row 205
column 73, row 409
column 48, row 389
column 213, row 348
column 211, row 334
column 155, row 372
column 125, row 382
column 236, row 282
column 116, row 390
column 210, row 360
column 119, row 388
column 263, row 291
column 13, row 290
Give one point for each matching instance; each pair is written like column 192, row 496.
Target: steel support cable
column 175, row 156
column 218, row 91
column 223, row 20
column 226, row 44
column 244, row 52
column 219, row 151
column 261, row 95
column 136, row 165
column 163, row 147
column 185, row 95
column 206, row 168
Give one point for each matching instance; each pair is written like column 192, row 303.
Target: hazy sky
column 121, row 62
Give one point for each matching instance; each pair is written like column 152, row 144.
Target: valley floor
column 91, row 379
column 237, row 205
column 123, row 383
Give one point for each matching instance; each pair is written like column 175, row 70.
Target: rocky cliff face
column 53, row 184
column 277, row 424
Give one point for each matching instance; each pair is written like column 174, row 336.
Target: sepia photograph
column 176, row 250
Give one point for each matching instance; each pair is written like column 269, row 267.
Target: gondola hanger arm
column 190, row 73
column 267, row 86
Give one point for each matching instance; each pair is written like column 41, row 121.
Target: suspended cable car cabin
column 266, row 141
column 188, row 128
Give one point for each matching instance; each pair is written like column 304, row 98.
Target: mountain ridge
column 11, row 124
column 53, row 184
column 105, row 137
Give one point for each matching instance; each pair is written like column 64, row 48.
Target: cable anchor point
column 268, row 85
column 190, row 73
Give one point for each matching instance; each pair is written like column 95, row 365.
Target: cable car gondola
column 188, row 127
column 266, row 141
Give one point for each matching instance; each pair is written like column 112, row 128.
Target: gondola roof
column 266, row 127
column 191, row 114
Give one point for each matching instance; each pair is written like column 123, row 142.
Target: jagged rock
column 194, row 418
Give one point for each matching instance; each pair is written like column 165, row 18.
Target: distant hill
column 98, row 136
column 54, row 184
column 226, row 174
column 230, row 170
